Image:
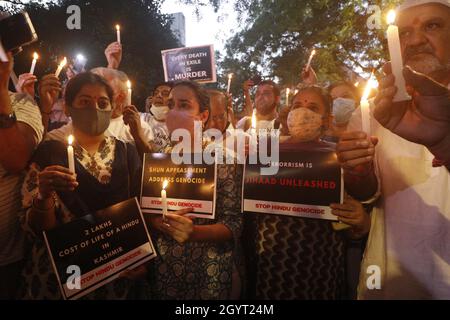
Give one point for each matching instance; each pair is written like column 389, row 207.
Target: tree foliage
column 277, row 36
column 145, row 32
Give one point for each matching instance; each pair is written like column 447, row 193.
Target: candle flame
column 63, row 62
column 391, row 17
column 128, row 84
column 165, row 183
column 35, row 56
column 288, row 91
column 254, row 119
column 117, row 27
column 313, row 52
column 230, row 75
column 70, row 140
column 357, row 84
column 372, row 83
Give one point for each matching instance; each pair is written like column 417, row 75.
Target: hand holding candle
column 70, row 154
column 33, row 63
column 60, row 67
column 396, row 59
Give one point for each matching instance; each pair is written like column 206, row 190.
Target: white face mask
column 343, row 110
column 160, row 113
column 304, row 125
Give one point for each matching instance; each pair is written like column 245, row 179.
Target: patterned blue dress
column 202, row 270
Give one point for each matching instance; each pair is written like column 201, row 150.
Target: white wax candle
column 82, row 61
column 308, row 65
column 70, row 155
column 254, row 136
column 365, row 116
column 229, row 82
column 60, row 67
column 118, row 33
column 33, row 64
column 164, row 199
column 395, row 53
column 128, row 102
column 365, row 106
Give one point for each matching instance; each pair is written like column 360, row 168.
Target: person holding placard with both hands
column 54, row 195
column 199, row 258
column 288, row 253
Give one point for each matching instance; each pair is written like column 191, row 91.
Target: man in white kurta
column 409, row 242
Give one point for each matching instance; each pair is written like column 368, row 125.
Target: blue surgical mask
column 343, row 110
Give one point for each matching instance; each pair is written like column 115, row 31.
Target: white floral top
column 99, row 165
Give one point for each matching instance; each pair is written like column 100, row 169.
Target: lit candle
column 311, row 56
column 287, row 95
column 129, row 93
column 164, row 199
column 396, row 59
column 118, row 33
column 229, row 82
column 33, row 64
column 365, row 106
column 254, row 119
column 70, row 156
column 60, row 67
column 254, row 140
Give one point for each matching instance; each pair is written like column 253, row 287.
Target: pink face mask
column 180, row 120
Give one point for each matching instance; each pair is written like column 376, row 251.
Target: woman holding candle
column 300, row 258
column 197, row 258
column 107, row 172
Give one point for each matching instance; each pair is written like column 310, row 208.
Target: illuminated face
column 265, row 99
column 92, row 96
column 184, row 110
column 308, row 117
column 425, row 38
column 219, row 117
column 310, row 100
column 161, row 96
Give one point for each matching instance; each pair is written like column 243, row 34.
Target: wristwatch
column 7, row 120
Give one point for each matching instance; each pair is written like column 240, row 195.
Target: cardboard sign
column 194, row 63
column 99, row 246
column 189, row 186
column 305, row 185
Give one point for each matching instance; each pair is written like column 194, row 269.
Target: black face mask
column 90, row 121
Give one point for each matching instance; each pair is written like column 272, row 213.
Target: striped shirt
column 11, row 236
